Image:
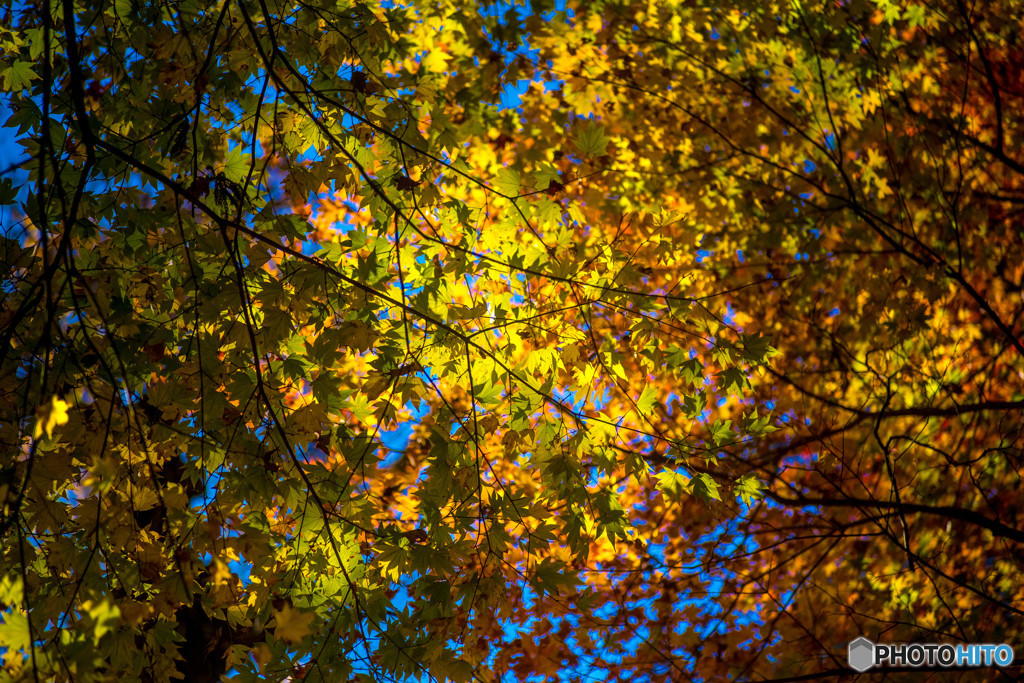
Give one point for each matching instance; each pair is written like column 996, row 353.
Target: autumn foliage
column 356, row 340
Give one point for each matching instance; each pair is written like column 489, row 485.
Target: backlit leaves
column 50, row 416
column 291, row 625
column 591, row 140
column 318, row 362
column 18, row 75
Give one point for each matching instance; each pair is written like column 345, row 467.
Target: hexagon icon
column 861, row 654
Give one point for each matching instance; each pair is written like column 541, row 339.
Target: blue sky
column 11, row 153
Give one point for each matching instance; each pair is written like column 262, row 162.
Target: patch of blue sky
column 209, row 492
column 575, row 399
column 396, row 440
column 730, row 315
column 560, row 6
column 599, row 401
column 511, row 96
column 12, row 154
column 801, row 460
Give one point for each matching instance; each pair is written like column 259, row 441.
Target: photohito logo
column 863, row 654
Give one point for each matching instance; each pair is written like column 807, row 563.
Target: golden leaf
column 291, row 624
column 51, row 415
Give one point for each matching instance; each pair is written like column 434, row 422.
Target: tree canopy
column 358, row 340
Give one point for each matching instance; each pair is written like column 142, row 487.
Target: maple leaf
column 507, row 182
column 15, row 636
column 291, row 625
column 18, row 75
column 749, row 489
column 50, row 416
column 591, row 140
column 405, row 183
column 358, row 81
column 648, row 399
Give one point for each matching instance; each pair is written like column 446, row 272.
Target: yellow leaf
column 435, row 61
column 292, row 625
column 49, row 416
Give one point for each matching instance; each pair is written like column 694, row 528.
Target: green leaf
column 648, row 399
column 759, row 425
column 706, row 488
column 591, row 140
column 721, row 432
column 547, row 212
column 295, row 367
column 694, row 404
column 236, row 164
column 757, row 348
column 749, row 488
column 8, row 195
column 732, row 377
column 18, row 75
column 507, row 182
column 489, row 394
column 551, row 577
column 673, row 483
